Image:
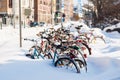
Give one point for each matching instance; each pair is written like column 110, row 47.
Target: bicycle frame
column 35, row 51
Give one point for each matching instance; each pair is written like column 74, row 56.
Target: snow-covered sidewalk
column 103, row 64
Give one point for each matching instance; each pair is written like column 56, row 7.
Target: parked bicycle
column 37, row 51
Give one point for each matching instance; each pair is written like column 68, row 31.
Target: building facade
column 9, row 11
column 68, row 9
column 27, row 11
column 3, row 7
column 35, row 10
column 5, row 10
column 43, row 10
column 64, row 9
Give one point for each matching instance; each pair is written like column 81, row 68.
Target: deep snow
column 103, row 64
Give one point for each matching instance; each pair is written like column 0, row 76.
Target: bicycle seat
column 79, row 27
column 64, row 41
column 62, row 48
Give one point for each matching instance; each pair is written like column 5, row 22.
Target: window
column 10, row 3
column 40, row 2
column 44, row 3
column 0, row 5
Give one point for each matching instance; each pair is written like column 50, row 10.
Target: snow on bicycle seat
column 57, row 43
column 64, row 41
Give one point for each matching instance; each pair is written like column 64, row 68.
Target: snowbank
column 103, row 64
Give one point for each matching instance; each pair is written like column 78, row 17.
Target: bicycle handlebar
column 33, row 40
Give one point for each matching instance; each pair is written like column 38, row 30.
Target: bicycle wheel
column 87, row 48
column 46, row 50
column 98, row 40
column 80, row 63
column 48, row 56
column 68, row 63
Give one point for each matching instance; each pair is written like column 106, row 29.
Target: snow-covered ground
column 103, row 64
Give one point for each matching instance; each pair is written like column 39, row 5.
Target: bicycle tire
column 94, row 39
column 79, row 52
column 80, row 63
column 88, row 48
column 65, row 61
column 48, row 56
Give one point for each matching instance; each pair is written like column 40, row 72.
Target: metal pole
column 62, row 11
column 13, row 13
column 51, row 11
column 20, row 28
column 1, row 25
